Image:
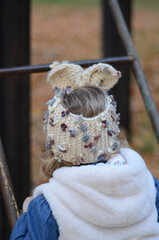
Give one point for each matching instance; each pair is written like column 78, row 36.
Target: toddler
column 95, row 188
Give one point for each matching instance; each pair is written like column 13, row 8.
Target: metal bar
column 45, row 67
column 7, row 190
column 136, row 66
column 113, row 47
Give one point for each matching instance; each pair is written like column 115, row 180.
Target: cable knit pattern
column 104, row 201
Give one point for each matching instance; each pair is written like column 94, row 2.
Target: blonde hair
column 87, row 100
column 48, row 165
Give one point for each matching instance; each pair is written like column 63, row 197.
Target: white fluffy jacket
column 104, row 202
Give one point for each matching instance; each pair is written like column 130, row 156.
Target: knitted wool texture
column 67, row 74
column 75, row 138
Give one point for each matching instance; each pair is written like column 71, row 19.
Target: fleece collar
column 104, row 200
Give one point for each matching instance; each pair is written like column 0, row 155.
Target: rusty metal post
column 112, row 46
column 136, row 66
column 15, row 100
column 7, row 190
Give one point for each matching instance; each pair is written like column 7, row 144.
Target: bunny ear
column 101, row 75
column 64, row 74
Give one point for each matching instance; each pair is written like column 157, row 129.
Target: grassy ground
column 65, row 31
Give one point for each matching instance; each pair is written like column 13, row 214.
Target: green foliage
column 146, row 4
column 149, row 143
column 141, row 4
column 144, row 139
column 72, row 2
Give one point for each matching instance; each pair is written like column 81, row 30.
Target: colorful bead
column 116, row 145
column 96, row 138
column 63, row 114
column 84, row 128
column 90, row 145
column 114, row 103
column 118, row 116
column 52, row 142
column 63, row 126
column 118, row 74
column 51, row 102
column 111, row 97
column 58, row 156
column 67, row 111
column 110, row 132
column 45, row 128
column 46, row 117
column 102, row 157
column 73, row 133
column 68, row 88
column 51, row 122
column 56, row 89
column 49, row 144
column 106, row 123
column 85, row 138
column 61, row 148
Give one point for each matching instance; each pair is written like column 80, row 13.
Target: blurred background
column 72, row 30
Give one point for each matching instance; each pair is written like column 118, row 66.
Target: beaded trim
column 78, row 139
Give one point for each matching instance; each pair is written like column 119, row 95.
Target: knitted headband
column 75, row 138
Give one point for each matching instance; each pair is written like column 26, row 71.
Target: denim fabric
column 157, row 195
column 38, row 223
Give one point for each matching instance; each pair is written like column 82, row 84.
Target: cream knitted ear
column 64, row 74
column 101, row 75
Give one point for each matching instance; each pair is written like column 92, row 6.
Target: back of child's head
column 81, row 124
column 88, row 101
